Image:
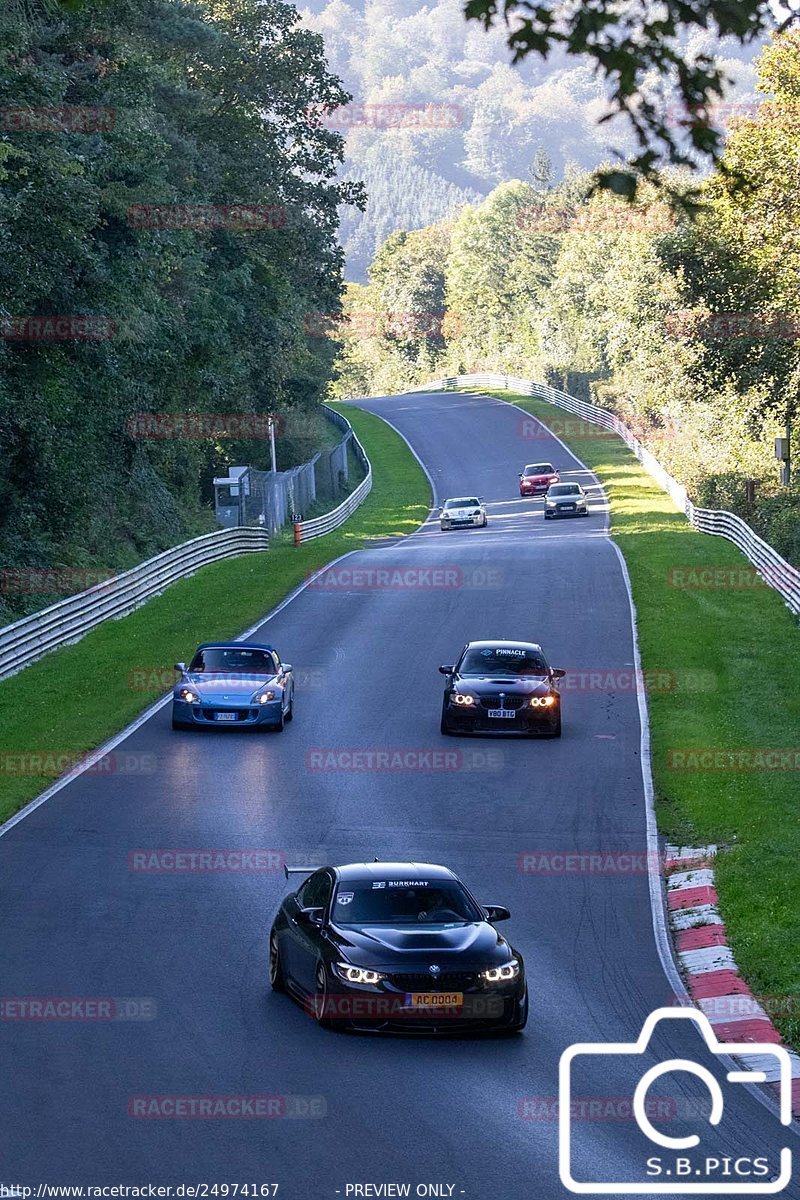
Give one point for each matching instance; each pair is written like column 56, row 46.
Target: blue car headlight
column 264, row 696
column 188, row 695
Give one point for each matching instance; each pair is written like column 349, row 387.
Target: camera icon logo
column 671, row 1173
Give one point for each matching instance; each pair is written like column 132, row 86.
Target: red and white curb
column 707, row 962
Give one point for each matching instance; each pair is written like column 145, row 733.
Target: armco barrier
column 305, row 530
column 773, row 569
column 69, row 619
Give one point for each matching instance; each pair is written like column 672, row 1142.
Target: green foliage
column 629, row 46
column 607, row 299
column 206, row 104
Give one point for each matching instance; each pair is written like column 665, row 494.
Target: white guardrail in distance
column 305, row 530
column 773, row 569
column 69, row 619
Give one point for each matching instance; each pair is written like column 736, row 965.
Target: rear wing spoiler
column 298, row 870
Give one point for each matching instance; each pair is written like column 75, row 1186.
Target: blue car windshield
column 232, row 661
column 503, row 661
column 403, row 902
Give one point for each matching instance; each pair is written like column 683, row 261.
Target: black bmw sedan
column 396, row 947
column 502, row 687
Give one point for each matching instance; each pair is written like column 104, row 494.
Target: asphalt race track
column 466, row 1112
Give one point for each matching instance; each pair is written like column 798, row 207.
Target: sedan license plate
column 435, row 1000
column 225, row 716
column 566, row 508
column 508, row 713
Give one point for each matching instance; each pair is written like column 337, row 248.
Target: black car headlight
column 542, row 701
column 351, row 974
column 462, row 699
column 502, row 974
column 189, row 696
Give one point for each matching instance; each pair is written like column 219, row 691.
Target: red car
column 537, row 478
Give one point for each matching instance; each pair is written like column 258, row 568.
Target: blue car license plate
column 225, row 716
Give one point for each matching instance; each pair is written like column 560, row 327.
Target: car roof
column 545, row 466
column 503, row 642
column 235, row 646
column 393, row 870
column 454, row 499
column 573, row 483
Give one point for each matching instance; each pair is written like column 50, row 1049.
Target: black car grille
column 514, row 702
column 423, row 981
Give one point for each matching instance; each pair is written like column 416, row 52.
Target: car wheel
column 320, row 997
column 276, row 979
column 290, row 713
column 547, row 516
column 485, row 522
column 279, row 724
column 444, row 726
column 179, row 724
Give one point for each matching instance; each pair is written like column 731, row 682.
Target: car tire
column 276, row 977
column 555, row 732
column 320, row 995
column 179, row 724
column 548, row 516
column 290, row 714
column 521, row 1019
column 279, row 724
column 485, row 522
column 444, row 726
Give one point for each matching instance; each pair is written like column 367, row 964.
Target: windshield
column 403, row 902
column 464, row 502
column 540, row 469
column 564, row 489
column 233, row 661
column 503, row 661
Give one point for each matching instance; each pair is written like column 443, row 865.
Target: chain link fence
column 272, row 499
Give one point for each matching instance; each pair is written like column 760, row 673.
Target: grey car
column 566, row 500
column 239, row 684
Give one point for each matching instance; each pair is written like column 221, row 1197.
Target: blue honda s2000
column 233, row 683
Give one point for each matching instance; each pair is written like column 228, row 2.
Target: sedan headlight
column 351, row 974
column 542, row 701
column 264, row 697
column 464, row 701
column 189, row 696
column 550, row 503
column 509, row 970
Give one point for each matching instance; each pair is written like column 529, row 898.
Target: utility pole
column 272, row 442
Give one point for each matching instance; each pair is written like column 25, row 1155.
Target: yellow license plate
column 435, row 1000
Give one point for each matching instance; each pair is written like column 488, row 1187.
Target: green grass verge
column 72, row 700
column 732, row 655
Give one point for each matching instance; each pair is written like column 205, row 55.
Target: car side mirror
column 286, row 667
column 519, row 474
column 481, row 499
column 558, row 673
column 496, row 912
column 180, row 667
column 310, row 916
column 445, row 670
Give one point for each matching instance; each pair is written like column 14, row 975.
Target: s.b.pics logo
column 693, row 1153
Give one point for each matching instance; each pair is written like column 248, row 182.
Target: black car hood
column 404, row 947
column 527, row 685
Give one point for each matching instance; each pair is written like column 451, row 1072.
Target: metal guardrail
column 304, row 531
column 776, row 572
column 68, row 620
